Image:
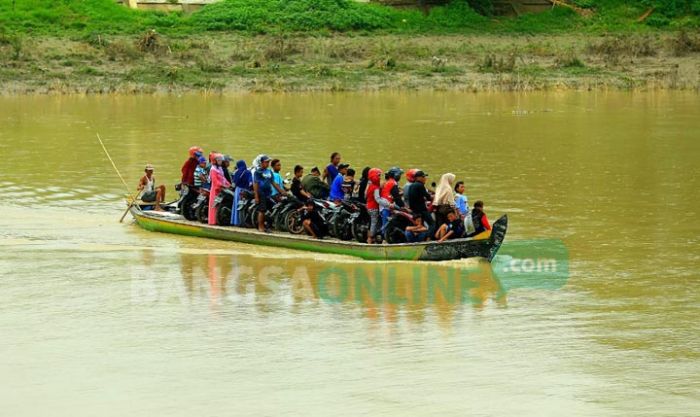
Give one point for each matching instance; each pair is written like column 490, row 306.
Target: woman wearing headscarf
column 444, row 201
column 218, row 181
column 242, row 179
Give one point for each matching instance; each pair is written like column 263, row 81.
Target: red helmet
column 411, row 174
column 212, row 155
column 194, row 150
column 374, row 175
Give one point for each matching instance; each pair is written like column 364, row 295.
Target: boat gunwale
column 300, row 238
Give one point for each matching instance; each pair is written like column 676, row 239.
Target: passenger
column 410, row 178
column 331, row 170
column 444, row 201
column 190, row 166
column 212, row 160
column 419, row 198
column 297, row 189
column 218, row 182
column 390, row 192
column 417, row 232
column 452, row 229
column 262, row 187
column 314, row 185
column 336, row 193
column 349, row 185
column 364, row 180
column 462, row 202
column 224, row 168
column 375, row 202
column 277, row 177
column 150, row 193
column 200, row 174
column 242, row 179
column 481, row 223
column 312, row 221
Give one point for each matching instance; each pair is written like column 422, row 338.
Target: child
column 417, row 232
column 200, row 174
column 481, row 223
column 453, row 229
column 462, row 202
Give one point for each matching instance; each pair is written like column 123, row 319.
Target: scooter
column 223, row 204
column 395, row 228
column 185, row 205
column 201, row 206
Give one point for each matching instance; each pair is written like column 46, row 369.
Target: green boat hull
column 424, row 251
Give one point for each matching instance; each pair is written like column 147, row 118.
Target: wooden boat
column 484, row 245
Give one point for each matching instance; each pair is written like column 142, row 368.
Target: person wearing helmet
column 224, row 168
column 190, row 165
column 218, row 182
column 375, row 202
column 410, row 178
column 390, row 192
column 150, row 193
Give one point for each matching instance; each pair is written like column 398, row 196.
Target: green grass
column 89, row 17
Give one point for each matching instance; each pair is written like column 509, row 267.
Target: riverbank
column 226, row 62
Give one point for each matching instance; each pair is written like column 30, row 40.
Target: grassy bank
column 232, row 62
column 68, row 46
column 83, row 17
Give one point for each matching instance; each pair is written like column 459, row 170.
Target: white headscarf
column 444, row 194
column 256, row 163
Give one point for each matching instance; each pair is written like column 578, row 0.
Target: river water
column 103, row 318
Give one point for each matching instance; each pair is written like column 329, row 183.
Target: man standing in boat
column 262, row 187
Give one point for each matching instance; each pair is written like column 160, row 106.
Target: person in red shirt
column 390, row 192
column 190, row 165
column 374, row 201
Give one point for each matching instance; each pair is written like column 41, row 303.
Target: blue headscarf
column 242, row 178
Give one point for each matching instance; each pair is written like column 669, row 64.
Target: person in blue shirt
column 277, row 177
column 331, row 170
column 337, row 192
column 262, row 187
column 462, row 203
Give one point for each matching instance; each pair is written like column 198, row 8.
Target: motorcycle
column 340, row 225
column 395, row 229
column 223, row 203
column 282, row 214
column 201, row 206
column 359, row 223
column 188, row 197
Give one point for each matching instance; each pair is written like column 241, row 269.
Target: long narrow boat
column 484, row 245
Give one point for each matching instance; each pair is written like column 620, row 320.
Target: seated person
column 149, row 192
column 481, row 223
column 314, row 185
column 201, row 179
column 312, row 221
column 297, row 189
column 417, row 232
column 452, row 229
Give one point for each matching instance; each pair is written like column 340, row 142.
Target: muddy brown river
column 103, row 318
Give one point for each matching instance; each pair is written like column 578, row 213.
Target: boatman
column 149, row 192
